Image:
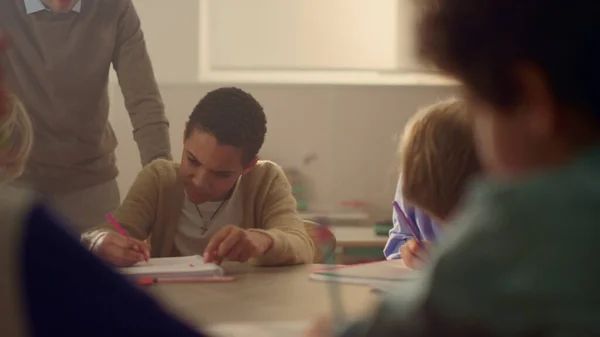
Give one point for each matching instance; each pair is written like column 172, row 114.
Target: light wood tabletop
column 260, row 294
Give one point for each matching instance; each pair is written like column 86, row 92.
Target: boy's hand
column 121, row 251
column 236, row 244
column 414, row 255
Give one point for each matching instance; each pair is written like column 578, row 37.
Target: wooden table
column 260, row 294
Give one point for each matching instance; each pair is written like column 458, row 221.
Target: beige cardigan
column 153, row 206
column 14, row 207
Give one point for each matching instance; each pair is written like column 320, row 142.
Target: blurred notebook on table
column 375, row 274
column 173, row 267
column 260, row 329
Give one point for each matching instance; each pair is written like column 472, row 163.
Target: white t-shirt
column 194, row 231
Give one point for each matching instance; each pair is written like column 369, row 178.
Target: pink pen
column 120, row 229
column 116, row 225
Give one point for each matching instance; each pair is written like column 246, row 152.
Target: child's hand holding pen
column 121, row 251
column 415, row 251
column 415, row 254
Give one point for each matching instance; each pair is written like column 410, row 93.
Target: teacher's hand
column 236, row 244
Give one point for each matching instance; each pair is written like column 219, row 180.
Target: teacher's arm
column 138, row 85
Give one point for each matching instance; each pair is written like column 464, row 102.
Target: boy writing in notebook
column 220, row 201
column 438, row 160
column 524, row 258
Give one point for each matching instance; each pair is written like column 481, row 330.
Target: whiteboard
column 304, row 34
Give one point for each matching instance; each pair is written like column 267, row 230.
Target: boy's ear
column 250, row 165
column 539, row 102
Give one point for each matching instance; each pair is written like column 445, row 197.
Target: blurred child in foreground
column 523, row 260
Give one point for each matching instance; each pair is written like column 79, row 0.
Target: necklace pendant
column 204, row 227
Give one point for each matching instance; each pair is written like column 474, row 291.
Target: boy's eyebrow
column 214, row 171
column 189, row 154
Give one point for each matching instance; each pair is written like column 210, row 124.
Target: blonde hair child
column 437, row 160
column 16, row 138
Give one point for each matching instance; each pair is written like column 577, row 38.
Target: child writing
column 49, row 284
column 524, row 258
column 438, row 160
column 219, row 201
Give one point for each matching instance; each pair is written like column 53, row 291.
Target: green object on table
column 372, row 252
column 302, row 205
column 382, row 228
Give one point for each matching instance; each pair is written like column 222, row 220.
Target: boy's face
column 516, row 142
column 60, row 6
column 209, row 170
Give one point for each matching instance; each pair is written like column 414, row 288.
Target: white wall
column 292, row 41
column 171, row 34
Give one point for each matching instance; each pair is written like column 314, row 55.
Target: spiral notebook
column 173, row 267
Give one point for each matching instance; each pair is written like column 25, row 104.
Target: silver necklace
column 206, row 224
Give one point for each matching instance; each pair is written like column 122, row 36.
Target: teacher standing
column 59, row 66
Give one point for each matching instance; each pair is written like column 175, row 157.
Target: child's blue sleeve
column 68, row 292
column 400, row 232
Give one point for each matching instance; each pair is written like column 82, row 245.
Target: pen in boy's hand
column 116, row 225
column 122, row 231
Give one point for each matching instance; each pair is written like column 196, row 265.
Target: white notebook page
column 185, row 266
column 260, row 329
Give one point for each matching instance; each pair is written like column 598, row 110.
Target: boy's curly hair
column 234, row 117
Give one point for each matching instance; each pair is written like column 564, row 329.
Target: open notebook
column 375, row 274
column 173, row 267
